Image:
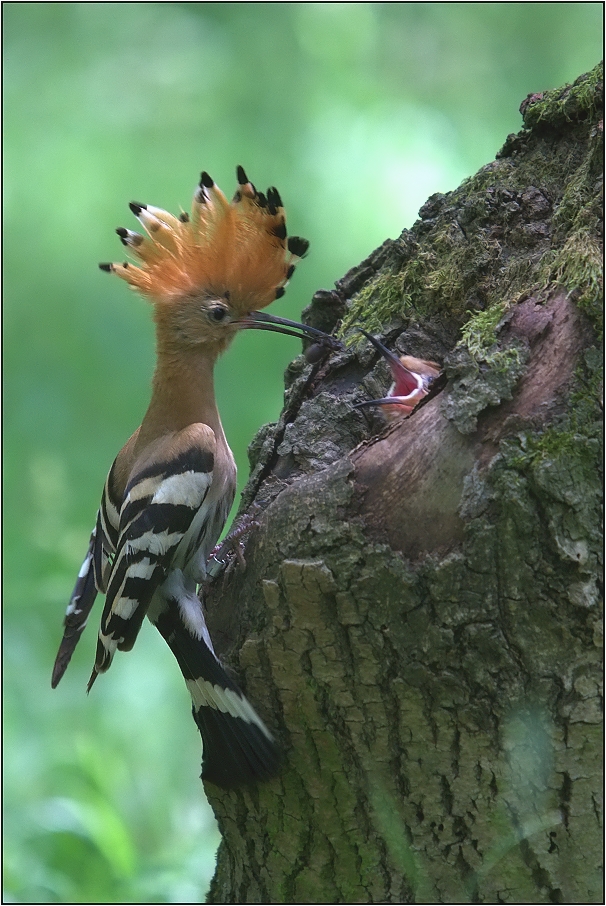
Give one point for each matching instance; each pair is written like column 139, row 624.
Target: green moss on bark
column 421, row 612
column 524, row 220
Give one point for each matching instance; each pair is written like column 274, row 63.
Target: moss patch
column 578, row 267
column 523, row 222
column 583, row 100
column 375, row 305
column 480, row 332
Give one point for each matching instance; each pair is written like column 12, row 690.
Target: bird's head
column 412, row 380
column 209, row 273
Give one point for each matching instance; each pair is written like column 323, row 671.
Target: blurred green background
column 357, row 112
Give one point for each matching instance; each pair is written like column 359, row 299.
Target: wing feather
column 163, row 503
column 92, row 576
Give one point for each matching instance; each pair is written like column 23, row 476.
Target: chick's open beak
column 412, row 379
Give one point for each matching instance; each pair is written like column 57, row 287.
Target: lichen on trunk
column 419, row 621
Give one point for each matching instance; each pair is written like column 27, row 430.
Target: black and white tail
column 238, row 748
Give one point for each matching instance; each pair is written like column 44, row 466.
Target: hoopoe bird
column 171, row 486
column 412, row 381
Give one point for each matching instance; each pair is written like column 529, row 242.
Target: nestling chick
column 412, row 381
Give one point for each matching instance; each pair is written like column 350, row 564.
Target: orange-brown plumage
column 235, row 250
column 170, row 489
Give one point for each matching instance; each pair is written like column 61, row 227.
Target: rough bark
column 419, row 618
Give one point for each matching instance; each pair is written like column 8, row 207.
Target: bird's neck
column 182, row 391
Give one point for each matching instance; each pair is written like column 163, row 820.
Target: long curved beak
column 260, row 320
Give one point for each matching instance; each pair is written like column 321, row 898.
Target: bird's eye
column 217, row 313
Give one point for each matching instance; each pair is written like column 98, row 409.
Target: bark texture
column 419, row 618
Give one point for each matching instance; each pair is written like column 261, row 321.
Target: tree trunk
column 419, row 617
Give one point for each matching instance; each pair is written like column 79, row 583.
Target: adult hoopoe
column 170, row 489
column 412, row 381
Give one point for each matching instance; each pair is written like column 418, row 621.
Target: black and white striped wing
column 91, row 578
column 163, row 512
column 108, row 527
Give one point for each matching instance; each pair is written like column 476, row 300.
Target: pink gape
column 412, row 380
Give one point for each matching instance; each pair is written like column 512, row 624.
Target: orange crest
column 238, row 250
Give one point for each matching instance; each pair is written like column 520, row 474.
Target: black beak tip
column 362, row 331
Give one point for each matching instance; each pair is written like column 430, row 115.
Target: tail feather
column 235, row 752
column 78, row 610
column 238, row 748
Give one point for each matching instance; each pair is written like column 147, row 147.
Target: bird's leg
column 220, row 560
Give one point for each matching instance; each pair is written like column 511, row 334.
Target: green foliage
column 357, row 112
